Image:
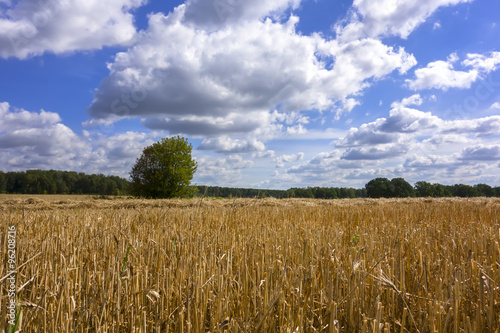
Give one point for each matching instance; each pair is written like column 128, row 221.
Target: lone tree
column 379, row 188
column 164, row 170
column 385, row 188
column 402, row 189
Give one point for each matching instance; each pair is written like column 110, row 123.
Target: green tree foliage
column 379, row 188
column 441, row 191
column 464, row 191
column 424, row 189
column 3, row 183
column 60, row 182
column 485, row 190
column 70, row 182
column 164, row 170
column 401, row 188
column 303, row 193
column 231, row 192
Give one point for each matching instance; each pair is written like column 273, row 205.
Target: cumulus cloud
column 211, row 15
column 481, row 153
column 409, row 143
column 245, row 80
column 406, row 120
column 442, row 74
column 281, row 160
column 365, row 58
column 402, row 122
column 264, row 154
column 232, row 146
column 115, row 154
column 20, row 118
column 406, row 124
column 324, row 169
column 442, row 139
column 367, row 134
column 483, row 63
column 37, row 140
column 374, row 18
column 375, row 153
column 430, row 161
column 478, row 127
column 409, row 101
column 347, row 106
column 29, row 28
column 220, row 171
column 296, row 130
column 206, row 125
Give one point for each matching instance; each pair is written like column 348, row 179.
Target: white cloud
column 495, row 106
column 213, row 14
column 254, row 79
column 115, row 154
column 220, row 171
column 367, row 134
column 409, row 101
column 231, row 146
column 430, row 161
column 403, row 123
column 281, row 160
column 482, row 63
column 264, row 154
column 446, row 138
column 453, row 57
column 479, row 127
column 374, row 18
column 406, row 120
column 31, row 28
column 365, row 58
column 481, row 153
column 236, row 72
column 408, row 143
column 232, row 123
column 296, row 130
column 21, row 119
column 406, row 125
column 375, row 153
column 347, row 106
column 442, row 74
column 37, row 140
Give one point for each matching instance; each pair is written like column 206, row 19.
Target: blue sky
column 271, row 93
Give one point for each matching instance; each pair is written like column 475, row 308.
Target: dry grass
column 409, row 265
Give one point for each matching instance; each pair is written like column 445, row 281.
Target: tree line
column 61, row 182
column 310, row 192
column 399, row 188
column 376, row 188
column 70, row 182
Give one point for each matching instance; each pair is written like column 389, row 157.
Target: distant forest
column 60, row 182
column 70, row 182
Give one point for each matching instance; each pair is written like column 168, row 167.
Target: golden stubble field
column 253, row 265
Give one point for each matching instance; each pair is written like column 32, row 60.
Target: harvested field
column 254, row 265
